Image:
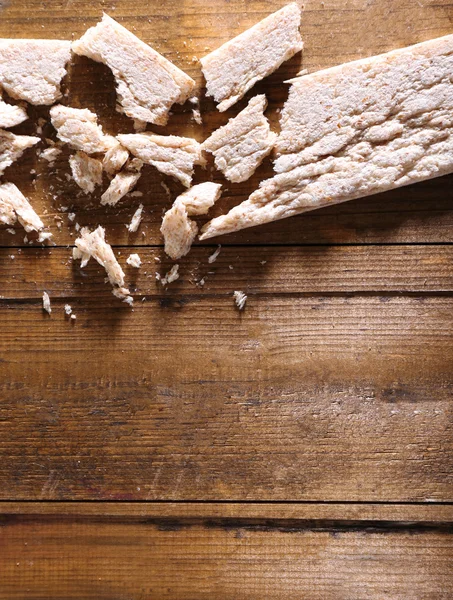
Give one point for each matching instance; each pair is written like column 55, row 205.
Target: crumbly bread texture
column 134, row 260
column 115, row 158
column 147, row 83
column 178, row 230
column 240, row 146
column 170, row 154
column 32, row 70
column 355, row 130
column 240, row 299
column 120, row 185
column 15, row 207
column 79, row 128
column 231, row 70
column 11, row 115
column 136, row 220
column 93, row 244
column 12, row 147
column 86, row 171
column 46, row 302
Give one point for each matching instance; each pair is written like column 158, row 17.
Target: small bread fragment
column 240, row 146
column 122, row 183
column 15, row 207
column 12, row 147
column 178, row 230
column 79, row 128
column 231, row 70
column 134, row 260
column 32, row 70
column 240, row 299
column 93, row 244
column 86, row 171
column 170, row 154
column 46, row 302
column 11, row 115
column 171, row 276
column 136, row 219
column 115, row 158
column 147, row 83
column 354, row 130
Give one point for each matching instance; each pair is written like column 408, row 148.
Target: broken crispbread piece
column 86, row 171
column 170, row 154
column 32, row 70
column 355, row 130
column 93, row 244
column 79, row 128
column 11, row 115
column 15, row 207
column 147, row 83
column 121, row 184
column 241, row 145
column 13, row 146
column 231, row 70
column 178, row 230
column 115, row 158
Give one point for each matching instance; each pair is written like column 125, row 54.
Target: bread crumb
column 136, row 220
column 67, row 309
column 171, row 276
column 73, row 317
column 11, row 231
column 71, row 216
column 46, row 302
column 50, row 154
column 134, row 260
column 214, row 256
column 240, row 298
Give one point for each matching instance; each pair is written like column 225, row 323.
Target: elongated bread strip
column 170, row 154
column 15, row 207
column 178, row 230
column 240, row 146
column 79, row 128
column 11, row 115
column 355, row 130
column 231, row 70
column 13, row 146
column 147, row 83
column 121, row 184
column 32, row 70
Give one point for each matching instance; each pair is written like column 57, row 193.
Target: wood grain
column 104, row 559
column 265, row 270
column 314, row 398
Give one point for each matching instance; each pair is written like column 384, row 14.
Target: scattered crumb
column 171, row 276
column 165, row 187
column 46, row 302
column 214, row 256
column 67, row 309
column 11, row 231
column 136, row 194
column 134, row 260
column 157, row 259
column 50, row 154
column 73, row 317
column 240, row 298
column 230, row 267
column 43, row 236
column 136, row 220
column 71, row 216
column 263, row 262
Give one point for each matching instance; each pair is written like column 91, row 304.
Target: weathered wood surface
column 312, row 397
column 98, row 556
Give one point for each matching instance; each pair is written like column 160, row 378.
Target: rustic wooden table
column 182, row 450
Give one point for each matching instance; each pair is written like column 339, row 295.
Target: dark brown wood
column 277, row 270
column 315, row 398
column 106, row 558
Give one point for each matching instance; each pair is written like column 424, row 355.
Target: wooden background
column 183, row 450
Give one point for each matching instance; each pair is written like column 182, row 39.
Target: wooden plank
column 334, row 31
column 99, row 559
column 298, row 398
column 268, row 270
column 242, row 512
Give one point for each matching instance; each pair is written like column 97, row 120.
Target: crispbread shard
column 79, row 128
column 15, row 207
column 240, row 146
column 13, row 146
column 86, row 171
column 11, row 115
column 147, row 83
column 355, row 130
column 32, row 70
column 178, row 230
column 231, row 70
column 170, row 154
